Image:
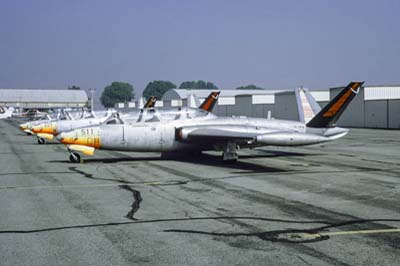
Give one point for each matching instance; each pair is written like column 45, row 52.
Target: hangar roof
column 175, row 94
column 381, row 92
column 40, row 96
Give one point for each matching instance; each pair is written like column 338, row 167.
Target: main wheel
column 41, row 140
column 74, row 157
column 229, row 157
column 229, row 161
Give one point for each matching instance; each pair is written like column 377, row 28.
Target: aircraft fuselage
column 164, row 137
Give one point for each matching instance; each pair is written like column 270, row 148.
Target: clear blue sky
column 273, row 44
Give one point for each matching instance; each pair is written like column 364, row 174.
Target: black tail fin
column 151, row 102
column 328, row 116
column 210, row 101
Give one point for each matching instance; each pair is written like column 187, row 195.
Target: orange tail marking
column 336, row 106
column 209, row 101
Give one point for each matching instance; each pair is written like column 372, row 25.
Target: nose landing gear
column 74, row 157
column 41, row 141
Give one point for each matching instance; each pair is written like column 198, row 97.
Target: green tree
column 198, row 85
column 116, row 92
column 157, row 88
column 249, row 87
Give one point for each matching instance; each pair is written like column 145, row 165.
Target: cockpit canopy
column 149, row 115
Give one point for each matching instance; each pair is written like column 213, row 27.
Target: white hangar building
column 373, row 107
column 255, row 103
column 42, row 99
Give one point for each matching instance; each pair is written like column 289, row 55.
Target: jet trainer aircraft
column 47, row 131
column 50, row 128
column 31, row 114
column 147, row 115
column 204, row 131
column 6, row 113
column 61, row 115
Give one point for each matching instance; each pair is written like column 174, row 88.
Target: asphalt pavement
column 330, row 204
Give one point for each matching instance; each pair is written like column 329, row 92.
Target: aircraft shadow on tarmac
column 206, row 159
column 295, row 236
column 34, row 143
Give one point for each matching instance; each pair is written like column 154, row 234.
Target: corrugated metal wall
column 261, row 110
column 167, row 103
column 184, row 102
column 322, row 104
column 382, row 93
column 394, row 114
column 286, row 106
column 373, row 107
column 243, row 106
column 376, row 115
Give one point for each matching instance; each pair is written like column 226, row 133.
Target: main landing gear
column 41, row 141
column 230, row 154
column 74, row 157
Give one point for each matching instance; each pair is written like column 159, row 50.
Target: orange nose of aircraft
column 23, row 127
column 79, row 137
column 48, row 129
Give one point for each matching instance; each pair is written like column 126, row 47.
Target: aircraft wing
column 249, row 135
column 221, row 133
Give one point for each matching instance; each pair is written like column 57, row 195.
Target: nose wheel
column 41, row 141
column 74, row 157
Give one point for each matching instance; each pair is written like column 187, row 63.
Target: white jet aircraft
column 201, row 130
column 51, row 128
column 6, row 112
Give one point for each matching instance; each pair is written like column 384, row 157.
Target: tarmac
column 330, row 204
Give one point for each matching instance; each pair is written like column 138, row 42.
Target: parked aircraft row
column 48, row 128
column 6, row 112
column 193, row 130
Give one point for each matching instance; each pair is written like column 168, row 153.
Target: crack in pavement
column 87, row 175
column 294, row 236
column 137, row 199
column 32, row 173
column 163, row 220
column 328, row 224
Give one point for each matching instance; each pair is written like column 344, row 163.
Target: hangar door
column 394, row 114
column 376, row 115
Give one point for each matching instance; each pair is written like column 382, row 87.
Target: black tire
column 74, row 157
column 228, row 161
column 41, row 141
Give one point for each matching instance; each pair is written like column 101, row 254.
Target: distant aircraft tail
column 307, row 106
column 210, row 101
column 192, row 101
column 328, row 116
column 93, row 114
column 140, row 103
column 68, row 115
column 151, row 102
column 9, row 111
column 6, row 113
